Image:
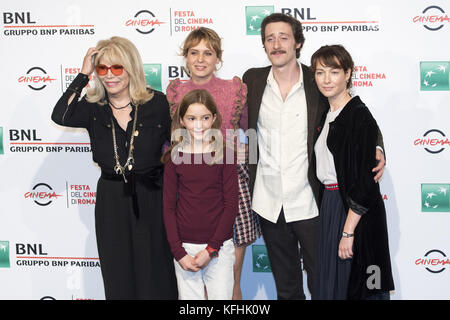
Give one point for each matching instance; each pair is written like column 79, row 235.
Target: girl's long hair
column 203, row 97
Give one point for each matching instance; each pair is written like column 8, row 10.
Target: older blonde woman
column 128, row 123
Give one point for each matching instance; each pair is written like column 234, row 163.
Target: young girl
column 200, row 200
column 202, row 51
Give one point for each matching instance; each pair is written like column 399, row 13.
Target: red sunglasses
column 102, row 70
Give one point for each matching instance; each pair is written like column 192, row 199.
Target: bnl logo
column 435, row 197
column 435, row 76
column 260, row 259
column 4, row 254
column 1, row 141
column 152, row 73
column 254, row 15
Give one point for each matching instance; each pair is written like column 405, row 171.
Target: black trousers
column 135, row 257
column 282, row 241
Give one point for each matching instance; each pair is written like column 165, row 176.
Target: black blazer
column 153, row 124
column 352, row 140
column 256, row 81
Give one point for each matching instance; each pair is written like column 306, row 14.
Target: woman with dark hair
column 353, row 251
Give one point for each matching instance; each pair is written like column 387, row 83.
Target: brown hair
column 203, row 97
column 296, row 26
column 334, row 56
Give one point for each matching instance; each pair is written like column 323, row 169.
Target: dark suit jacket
column 256, row 80
column 352, row 140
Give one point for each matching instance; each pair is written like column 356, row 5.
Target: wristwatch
column 347, row 235
column 213, row 253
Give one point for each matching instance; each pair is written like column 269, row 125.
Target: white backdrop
column 48, row 179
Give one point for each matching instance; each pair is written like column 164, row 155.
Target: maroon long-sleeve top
column 200, row 201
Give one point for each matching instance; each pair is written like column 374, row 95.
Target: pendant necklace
column 119, row 169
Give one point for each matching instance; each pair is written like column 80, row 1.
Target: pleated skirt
column 333, row 273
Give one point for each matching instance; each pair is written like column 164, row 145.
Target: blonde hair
column 211, row 38
column 118, row 50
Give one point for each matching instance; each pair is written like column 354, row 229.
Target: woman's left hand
column 346, row 248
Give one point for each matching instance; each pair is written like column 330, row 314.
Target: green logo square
column 1, row 141
column 4, row 254
column 260, row 259
column 435, row 197
column 254, row 15
column 152, row 73
column 434, row 76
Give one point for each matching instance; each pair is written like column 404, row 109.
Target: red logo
column 36, row 78
column 363, row 77
column 145, row 21
column 434, row 261
column 433, row 18
column 433, row 141
column 42, row 194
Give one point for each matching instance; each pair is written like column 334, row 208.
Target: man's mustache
column 277, row 51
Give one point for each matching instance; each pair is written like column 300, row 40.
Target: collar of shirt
column 274, row 84
column 282, row 171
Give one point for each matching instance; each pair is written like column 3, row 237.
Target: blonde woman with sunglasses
column 128, row 123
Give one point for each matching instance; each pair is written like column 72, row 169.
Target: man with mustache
column 285, row 108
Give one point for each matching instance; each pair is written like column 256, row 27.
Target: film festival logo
column 4, row 254
column 434, row 76
column 152, row 73
column 435, row 197
column 260, row 259
column 364, row 76
column 254, row 15
column 80, row 194
column 144, row 21
column 434, row 261
column 36, row 78
column 42, row 194
column 69, row 73
column 187, row 21
column 433, row 18
column 433, row 141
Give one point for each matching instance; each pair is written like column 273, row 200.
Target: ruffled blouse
column 230, row 97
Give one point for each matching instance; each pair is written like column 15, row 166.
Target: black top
column 153, row 124
column 352, row 141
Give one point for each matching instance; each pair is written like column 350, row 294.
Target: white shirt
column 326, row 171
column 281, row 176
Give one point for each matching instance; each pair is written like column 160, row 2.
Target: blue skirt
column 332, row 273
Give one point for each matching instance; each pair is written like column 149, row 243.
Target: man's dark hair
column 296, row 26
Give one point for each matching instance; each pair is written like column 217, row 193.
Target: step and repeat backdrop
column 48, row 179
